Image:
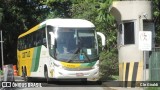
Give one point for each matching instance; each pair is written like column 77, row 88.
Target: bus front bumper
column 64, row 74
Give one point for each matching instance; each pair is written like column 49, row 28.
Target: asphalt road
column 39, row 84
column 58, row 85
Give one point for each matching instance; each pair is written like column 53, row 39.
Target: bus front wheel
column 46, row 74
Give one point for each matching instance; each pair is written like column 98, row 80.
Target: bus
column 59, row 49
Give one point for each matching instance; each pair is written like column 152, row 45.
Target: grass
column 153, row 88
column 115, row 77
column 111, row 78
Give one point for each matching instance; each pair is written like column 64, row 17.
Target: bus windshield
column 76, row 45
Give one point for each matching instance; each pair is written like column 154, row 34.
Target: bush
column 153, row 88
column 108, row 64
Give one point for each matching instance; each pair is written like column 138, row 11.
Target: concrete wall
column 130, row 57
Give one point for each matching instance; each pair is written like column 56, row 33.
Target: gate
column 154, row 65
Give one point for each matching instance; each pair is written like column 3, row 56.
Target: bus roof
column 58, row 22
column 69, row 23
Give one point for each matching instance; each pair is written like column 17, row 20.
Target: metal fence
column 154, row 65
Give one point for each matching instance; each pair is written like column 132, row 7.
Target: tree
column 1, row 14
column 21, row 15
column 156, row 15
column 97, row 11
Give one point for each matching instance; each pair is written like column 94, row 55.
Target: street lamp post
column 1, row 41
column 2, row 50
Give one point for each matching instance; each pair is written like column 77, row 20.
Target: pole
column 2, row 50
column 144, row 75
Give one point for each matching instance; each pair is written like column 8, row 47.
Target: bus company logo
column 70, row 66
column 26, row 54
column 6, row 84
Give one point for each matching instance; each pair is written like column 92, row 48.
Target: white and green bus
column 60, row 48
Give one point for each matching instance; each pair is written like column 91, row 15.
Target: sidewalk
column 115, row 85
column 17, row 78
column 123, row 88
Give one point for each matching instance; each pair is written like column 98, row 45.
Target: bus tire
column 22, row 72
column 46, row 74
column 84, row 80
column 25, row 74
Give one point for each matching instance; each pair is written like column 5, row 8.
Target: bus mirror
column 103, row 39
column 52, row 38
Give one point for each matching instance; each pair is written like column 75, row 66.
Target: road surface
column 57, row 85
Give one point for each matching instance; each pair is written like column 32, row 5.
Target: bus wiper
column 73, row 56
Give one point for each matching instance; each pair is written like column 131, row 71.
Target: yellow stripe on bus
column 30, row 31
column 70, row 65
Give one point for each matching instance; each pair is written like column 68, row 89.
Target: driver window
column 51, row 48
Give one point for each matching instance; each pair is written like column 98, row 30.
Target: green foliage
column 17, row 18
column 108, row 64
column 21, row 15
column 152, row 88
column 156, row 15
column 58, row 8
column 98, row 13
column 1, row 14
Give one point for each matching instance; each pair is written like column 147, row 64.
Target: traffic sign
column 145, row 40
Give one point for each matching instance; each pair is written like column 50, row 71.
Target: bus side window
column 38, row 39
column 25, row 41
column 21, row 44
column 34, row 39
column 31, row 41
column 28, row 41
column 44, row 38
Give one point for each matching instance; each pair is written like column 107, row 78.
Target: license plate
column 79, row 74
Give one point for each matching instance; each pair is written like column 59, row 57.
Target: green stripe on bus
column 85, row 65
column 35, row 59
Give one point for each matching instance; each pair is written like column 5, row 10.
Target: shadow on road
column 65, row 82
